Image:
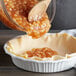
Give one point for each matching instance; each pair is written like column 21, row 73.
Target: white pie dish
column 46, row 66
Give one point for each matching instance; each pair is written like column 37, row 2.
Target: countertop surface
column 7, row 68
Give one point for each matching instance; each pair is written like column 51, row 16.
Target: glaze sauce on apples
column 41, row 52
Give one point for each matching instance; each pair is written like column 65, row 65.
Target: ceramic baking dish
column 48, row 66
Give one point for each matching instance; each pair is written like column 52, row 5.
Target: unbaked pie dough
column 64, row 44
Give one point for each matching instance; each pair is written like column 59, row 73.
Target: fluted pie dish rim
column 36, row 65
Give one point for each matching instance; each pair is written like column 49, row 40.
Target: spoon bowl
column 38, row 10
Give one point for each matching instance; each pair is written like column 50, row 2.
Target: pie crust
column 64, row 44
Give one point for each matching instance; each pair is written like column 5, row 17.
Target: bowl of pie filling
column 49, row 53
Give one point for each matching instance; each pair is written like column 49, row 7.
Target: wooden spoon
column 38, row 10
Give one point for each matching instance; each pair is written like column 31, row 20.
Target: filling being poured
column 19, row 10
